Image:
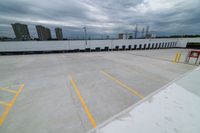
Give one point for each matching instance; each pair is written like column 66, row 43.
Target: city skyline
column 109, row 17
column 21, row 32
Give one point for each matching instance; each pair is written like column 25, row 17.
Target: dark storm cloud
column 13, row 7
column 103, row 17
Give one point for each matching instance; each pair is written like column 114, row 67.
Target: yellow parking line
column 92, row 121
column 5, row 113
column 4, row 103
column 134, row 92
column 8, row 90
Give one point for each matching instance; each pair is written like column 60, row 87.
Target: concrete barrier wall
column 182, row 42
column 18, row 46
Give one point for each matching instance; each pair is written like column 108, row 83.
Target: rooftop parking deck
column 74, row 92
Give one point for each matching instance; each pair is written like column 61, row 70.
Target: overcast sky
column 103, row 17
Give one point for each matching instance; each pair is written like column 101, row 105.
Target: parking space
column 7, row 100
column 75, row 92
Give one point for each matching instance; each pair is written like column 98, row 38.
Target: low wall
column 182, row 42
column 80, row 45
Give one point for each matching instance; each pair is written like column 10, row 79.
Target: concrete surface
column 172, row 109
column 49, row 103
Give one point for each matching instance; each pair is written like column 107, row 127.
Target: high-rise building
column 48, row 33
column 59, row 34
column 43, row 32
column 21, row 31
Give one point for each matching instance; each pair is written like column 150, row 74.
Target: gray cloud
column 102, row 17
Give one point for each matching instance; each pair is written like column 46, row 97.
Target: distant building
column 125, row 36
column 59, row 34
column 43, row 32
column 153, row 35
column 120, row 36
column 107, row 37
column 150, row 35
column 21, row 31
column 48, row 34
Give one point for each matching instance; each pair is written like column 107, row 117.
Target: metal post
column 85, row 35
column 112, row 45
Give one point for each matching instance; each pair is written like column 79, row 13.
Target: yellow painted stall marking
column 4, row 103
column 8, row 90
column 5, row 113
column 83, row 103
column 133, row 91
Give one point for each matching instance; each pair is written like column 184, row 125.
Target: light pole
column 85, row 35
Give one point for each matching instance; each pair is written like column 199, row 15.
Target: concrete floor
column 49, row 102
